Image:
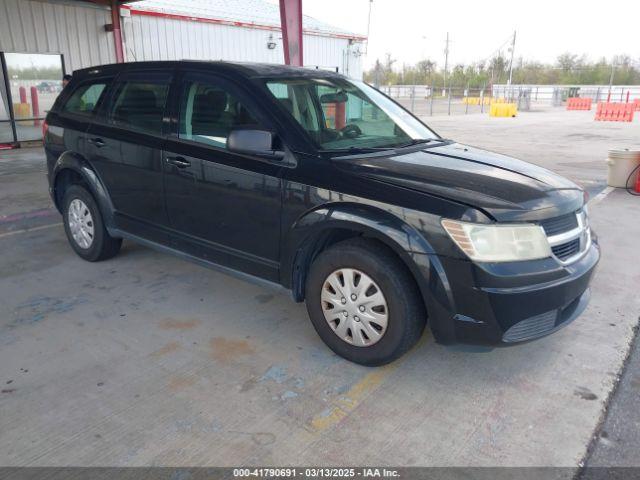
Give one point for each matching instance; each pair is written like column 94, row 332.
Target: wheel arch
column 71, row 169
column 326, row 225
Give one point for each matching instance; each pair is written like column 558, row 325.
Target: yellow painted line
column 349, row 401
column 25, row 230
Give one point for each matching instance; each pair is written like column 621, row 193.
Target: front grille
column 553, row 226
column 532, row 327
column 568, row 235
column 566, row 250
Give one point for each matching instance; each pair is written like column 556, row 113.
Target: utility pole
column 513, row 47
column 446, row 64
column 368, row 28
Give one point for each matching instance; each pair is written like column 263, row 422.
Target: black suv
column 325, row 186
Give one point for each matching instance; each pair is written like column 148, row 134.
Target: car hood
column 505, row 188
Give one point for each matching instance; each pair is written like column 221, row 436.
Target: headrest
column 213, row 102
column 139, row 98
column 287, row 103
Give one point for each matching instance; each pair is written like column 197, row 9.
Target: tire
column 375, row 263
column 95, row 244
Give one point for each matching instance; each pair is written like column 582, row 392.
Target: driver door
column 223, row 206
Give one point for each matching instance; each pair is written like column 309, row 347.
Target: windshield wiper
column 415, row 141
column 357, row 149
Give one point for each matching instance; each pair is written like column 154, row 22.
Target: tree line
column 569, row 69
column 36, row 73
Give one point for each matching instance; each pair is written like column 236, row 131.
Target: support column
column 291, row 21
column 117, row 31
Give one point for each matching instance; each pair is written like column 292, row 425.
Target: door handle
column 179, row 162
column 98, row 142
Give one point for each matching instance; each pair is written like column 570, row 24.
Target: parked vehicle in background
column 49, row 87
column 325, row 186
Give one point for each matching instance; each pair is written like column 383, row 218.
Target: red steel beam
column 291, row 20
column 117, row 31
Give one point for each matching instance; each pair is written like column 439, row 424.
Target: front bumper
column 506, row 303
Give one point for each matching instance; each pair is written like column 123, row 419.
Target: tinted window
column 85, row 98
column 140, row 105
column 208, row 113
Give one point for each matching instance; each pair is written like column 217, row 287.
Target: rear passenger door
column 126, row 142
column 68, row 122
column 224, row 206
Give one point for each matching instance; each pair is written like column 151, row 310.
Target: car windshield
column 341, row 114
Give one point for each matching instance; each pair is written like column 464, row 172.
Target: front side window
column 340, row 114
column 139, row 105
column 85, row 98
column 209, row 112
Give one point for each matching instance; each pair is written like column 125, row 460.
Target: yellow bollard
column 22, row 110
column 503, row 110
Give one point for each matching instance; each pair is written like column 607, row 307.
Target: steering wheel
column 351, row 131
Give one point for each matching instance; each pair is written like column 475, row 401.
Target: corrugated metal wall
column 76, row 31
column 160, row 38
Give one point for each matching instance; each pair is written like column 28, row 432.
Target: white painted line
column 601, row 196
column 42, row 227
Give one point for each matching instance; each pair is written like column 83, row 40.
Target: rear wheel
column 364, row 303
column 85, row 228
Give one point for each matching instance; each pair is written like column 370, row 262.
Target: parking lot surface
column 146, row 359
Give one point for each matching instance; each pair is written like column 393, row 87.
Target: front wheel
column 364, row 303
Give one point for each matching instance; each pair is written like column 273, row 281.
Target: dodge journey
column 320, row 184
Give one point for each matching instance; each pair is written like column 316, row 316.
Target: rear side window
column 85, row 98
column 139, row 105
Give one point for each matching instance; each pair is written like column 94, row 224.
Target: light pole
column 446, row 65
column 513, row 47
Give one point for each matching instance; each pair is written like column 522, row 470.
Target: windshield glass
column 342, row 114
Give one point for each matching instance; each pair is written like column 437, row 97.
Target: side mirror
column 253, row 142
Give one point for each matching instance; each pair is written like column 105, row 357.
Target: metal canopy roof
column 245, row 12
column 105, row 2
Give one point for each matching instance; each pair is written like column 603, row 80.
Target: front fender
column 76, row 163
column 306, row 236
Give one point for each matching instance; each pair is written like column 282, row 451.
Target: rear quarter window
column 85, row 99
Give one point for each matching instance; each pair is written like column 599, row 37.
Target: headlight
column 499, row 243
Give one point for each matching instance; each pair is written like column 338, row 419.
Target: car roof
column 267, row 70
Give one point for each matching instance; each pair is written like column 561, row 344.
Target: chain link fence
column 431, row 100
column 425, row 100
